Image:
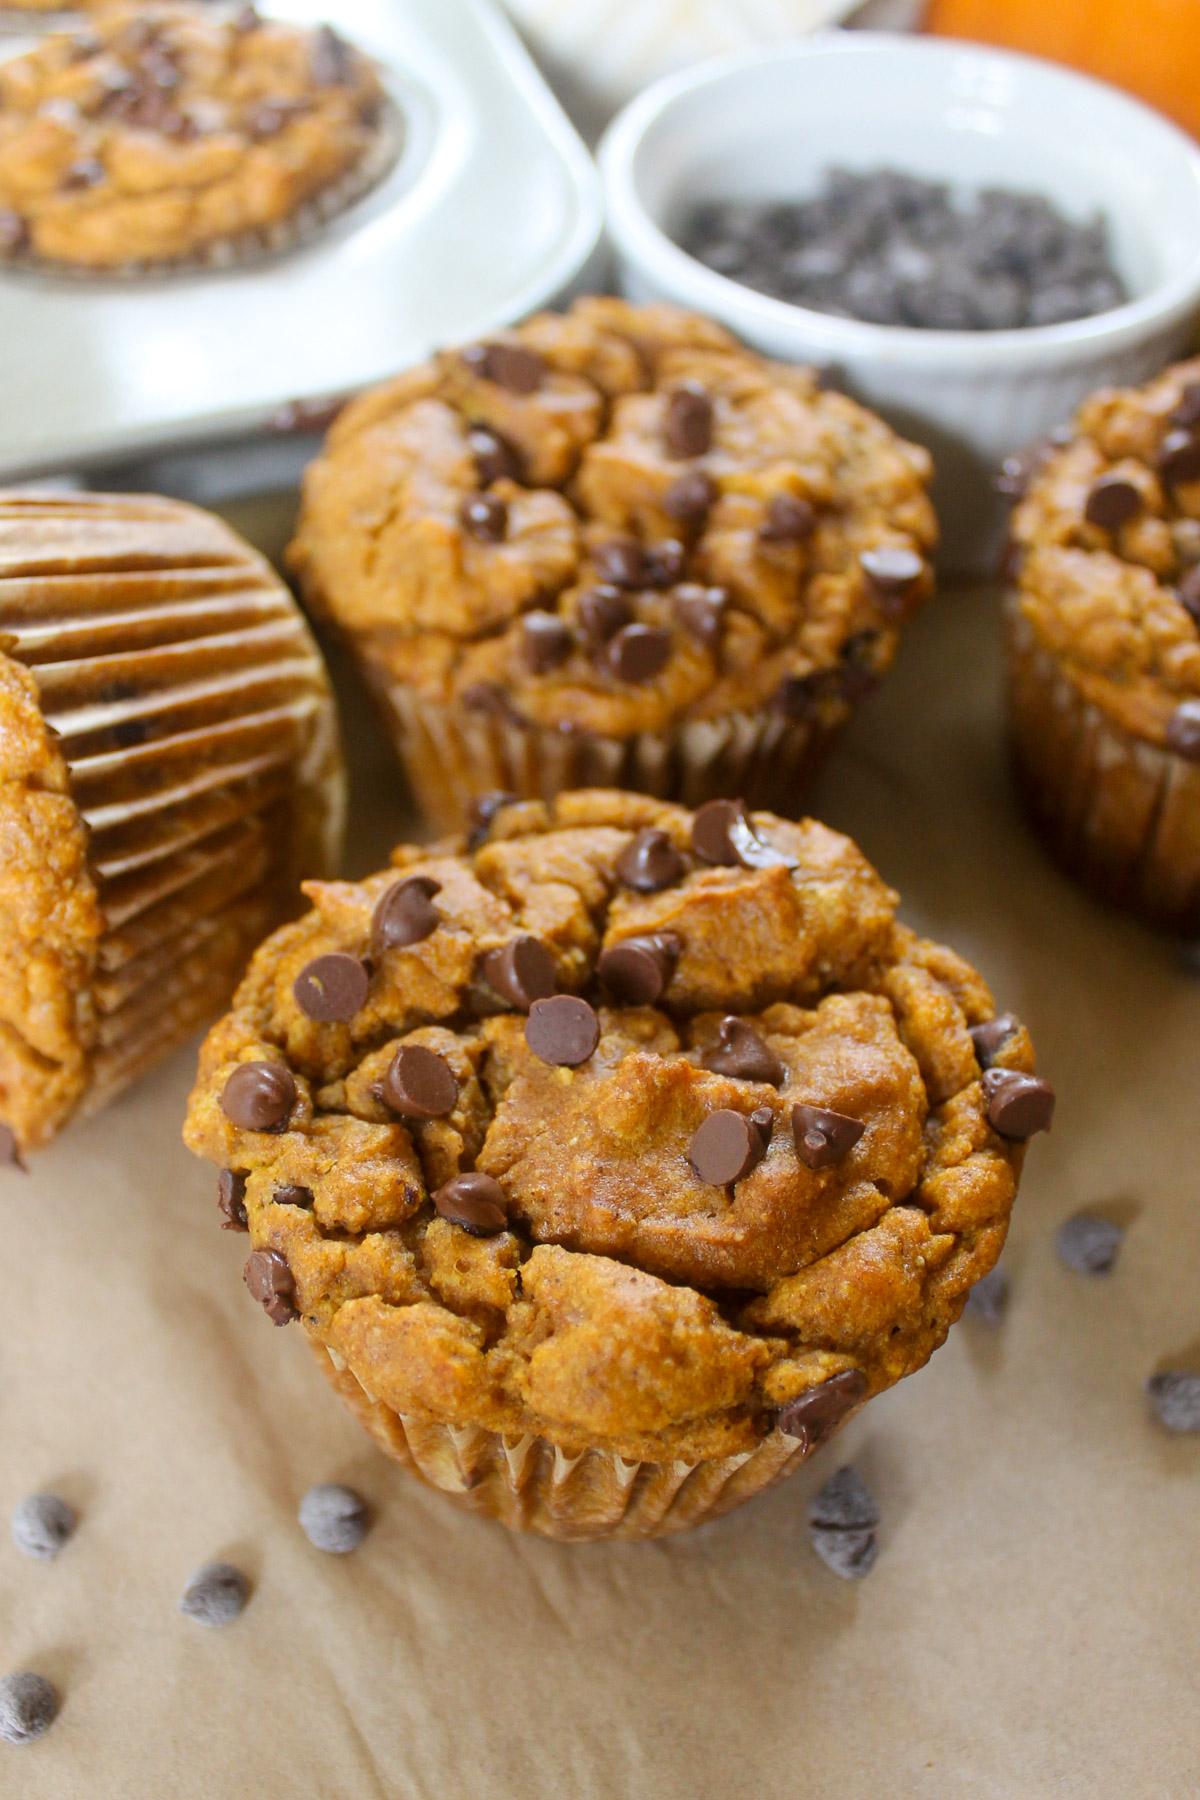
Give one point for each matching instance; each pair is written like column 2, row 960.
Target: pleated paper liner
column 193, row 711
column 243, row 250
column 453, row 754
column 1118, row 812
column 531, row 1485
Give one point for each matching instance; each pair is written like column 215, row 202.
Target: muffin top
column 156, row 132
column 616, row 519
column 619, row 1124
column 1108, row 541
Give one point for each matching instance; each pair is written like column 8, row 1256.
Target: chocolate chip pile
column 891, row 249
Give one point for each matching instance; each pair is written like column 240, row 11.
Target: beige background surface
column 1032, row 1627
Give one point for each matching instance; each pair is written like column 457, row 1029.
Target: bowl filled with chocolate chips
column 968, row 240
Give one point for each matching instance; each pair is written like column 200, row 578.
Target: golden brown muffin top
column 156, row 131
column 618, row 1124
column 1108, row 536
column 617, row 519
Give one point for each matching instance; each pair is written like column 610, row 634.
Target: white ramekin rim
column 643, row 245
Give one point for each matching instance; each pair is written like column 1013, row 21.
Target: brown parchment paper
column 1032, row 1627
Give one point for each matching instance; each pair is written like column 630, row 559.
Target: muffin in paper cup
column 611, row 1159
column 175, row 137
column 1103, row 628
column 170, row 769
column 614, row 547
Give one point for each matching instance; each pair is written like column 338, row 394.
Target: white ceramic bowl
column 766, row 125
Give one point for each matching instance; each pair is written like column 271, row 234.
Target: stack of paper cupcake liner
column 453, row 754
column 1119, row 812
column 192, row 709
column 529, row 1484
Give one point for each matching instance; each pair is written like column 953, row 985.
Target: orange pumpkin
column 1150, row 47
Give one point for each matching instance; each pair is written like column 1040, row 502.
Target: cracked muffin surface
column 1108, row 543
column 619, row 1126
column 617, row 519
column 155, row 133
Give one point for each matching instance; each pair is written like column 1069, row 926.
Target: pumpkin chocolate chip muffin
column 1104, row 644
column 169, row 768
column 614, row 546
column 161, row 134
column 612, row 1158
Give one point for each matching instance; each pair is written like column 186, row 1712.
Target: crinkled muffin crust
column 616, row 520
column 603, row 1276
column 154, row 133
column 1107, row 538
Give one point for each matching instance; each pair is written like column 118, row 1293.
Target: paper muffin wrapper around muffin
column 529, row 1484
column 1120, row 813
column 453, row 754
column 256, row 245
column 193, row 711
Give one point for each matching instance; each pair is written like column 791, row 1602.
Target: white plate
column 492, row 210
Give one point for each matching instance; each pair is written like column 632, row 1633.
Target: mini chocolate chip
column 690, row 498
column 650, row 862
column 1017, row 1105
column 892, row 571
column 790, row 520
column 988, row 1299
column 722, row 834
column 487, row 697
column 638, row 652
column 1187, row 413
column 1179, row 458
column 1183, row 731
column 332, row 58
column 621, row 562
column 851, row 1555
column 494, row 459
column 215, row 1595
column 845, row 1503
column 725, row 1148
column 638, row 970
column 259, row 1096
column 815, row 1414
column 334, row 1518
column 268, row 119
column 1088, row 1244
column 28, row 1707
column 405, row 914
column 292, row 1194
column 858, row 676
column 743, row 1055
column 664, row 563
column 41, row 1525
column 482, row 811
column 563, row 1030
column 475, row 1201
column 272, row 1284
column 602, row 611
column 1113, row 501
column 701, row 611
column 14, row 232
column 823, row 1137
column 546, row 642
column 419, row 1084
column 688, row 421
column 799, row 696
column 1175, row 1397
column 1189, row 592
column 231, row 1200
column 989, row 1037
column 511, row 366
column 86, row 173
column 10, row 1150
column 484, row 517
column 332, row 988
column 246, row 21
column 521, row 972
